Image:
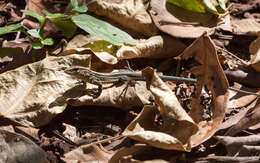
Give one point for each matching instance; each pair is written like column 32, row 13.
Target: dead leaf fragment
column 248, row 26
column 177, row 126
column 210, row 74
column 254, row 49
column 251, row 118
column 128, row 13
column 155, row 47
column 87, row 154
column 33, row 94
column 17, row 148
column 184, row 23
column 116, row 96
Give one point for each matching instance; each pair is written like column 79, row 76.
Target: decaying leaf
column 247, row 26
column 177, row 127
column 154, row 47
column 234, row 144
column 87, row 154
column 238, row 99
column 116, row 96
column 254, row 49
column 128, row 13
column 17, row 148
column 184, row 23
column 251, row 118
column 33, row 94
column 210, row 74
column 129, row 154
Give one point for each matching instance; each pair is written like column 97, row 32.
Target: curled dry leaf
column 128, row 13
column 251, row 118
column 128, row 154
column 238, row 99
column 87, row 154
column 102, row 50
column 116, row 96
column 184, row 23
column 33, row 94
column 155, row 47
column 17, row 148
column 246, row 76
column 177, row 127
column 210, row 74
column 254, row 49
column 247, row 26
column 234, row 144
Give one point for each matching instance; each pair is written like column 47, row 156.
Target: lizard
column 97, row 78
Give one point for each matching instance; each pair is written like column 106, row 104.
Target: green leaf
column 201, row 6
column 35, row 33
column 37, row 45
column 52, row 16
column 222, row 4
column 47, row 41
column 191, row 5
column 210, row 6
column 74, row 3
column 41, row 19
column 10, row 28
column 103, row 46
column 80, row 9
column 103, row 30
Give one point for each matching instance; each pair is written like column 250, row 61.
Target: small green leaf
column 47, row 41
column 65, row 25
column 74, row 3
column 103, row 30
column 191, row 5
column 10, row 28
column 222, row 4
column 35, row 33
column 210, row 6
column 52, row 16
column 37, row 45
column 80, row 9
column 41, row 19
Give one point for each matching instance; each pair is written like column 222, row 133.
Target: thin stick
column 233, row 55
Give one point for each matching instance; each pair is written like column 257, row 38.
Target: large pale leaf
column 18, row 148
column 103, row 30
column 177, row 127
column 33, row 94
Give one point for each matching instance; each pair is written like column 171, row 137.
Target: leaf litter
column 150, row 122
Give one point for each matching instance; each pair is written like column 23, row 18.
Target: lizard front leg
column 97, row 82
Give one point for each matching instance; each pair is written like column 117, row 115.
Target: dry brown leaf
column 128, row 155
column 17, row 148
column 19, row 58
column 249, row 26
column 81, row 44
column 251, row 118
column 234, row 144
column 29, row 132
column 116, row 96
column 154, row 47
column 177, row 126
column 210, row 74
column 33, row 94
column 128, row 13
column 254, row 49
column 180, row 24
column 87, row 154
column 238, row 99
